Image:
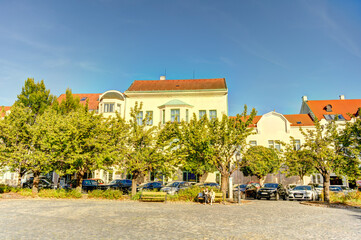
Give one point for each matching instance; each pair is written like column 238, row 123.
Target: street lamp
column 238, row 158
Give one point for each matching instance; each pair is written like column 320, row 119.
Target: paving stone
column 92, row 219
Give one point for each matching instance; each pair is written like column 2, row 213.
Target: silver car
column 173, row 187
column 304, row 192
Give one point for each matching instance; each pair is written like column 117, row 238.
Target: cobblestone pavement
column 92, row 219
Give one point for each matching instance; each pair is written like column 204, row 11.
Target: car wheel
column 258, row 198
column 284, row 198
column 268, row 198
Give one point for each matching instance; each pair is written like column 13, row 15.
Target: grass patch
column 107, row 194
column 26, row 192
column 59, row 193
column 352, row 198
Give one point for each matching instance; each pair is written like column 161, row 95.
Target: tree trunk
column 261, row 181
column 224, row 184
column 36, row 180
column 79, row 180
column 302, row 180
column 20, row 176
column 134, row 185
column 326, row 187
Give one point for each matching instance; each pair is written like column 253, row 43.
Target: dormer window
column 83, row 99
column 328, row 108
column 330, row 117
column 299, row 122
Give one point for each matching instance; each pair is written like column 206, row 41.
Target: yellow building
column 163, row 100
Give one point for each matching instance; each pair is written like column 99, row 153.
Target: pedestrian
column 206, row 195
column 212, row 195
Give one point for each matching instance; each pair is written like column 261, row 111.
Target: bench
column 218, row 197
column 154, row 196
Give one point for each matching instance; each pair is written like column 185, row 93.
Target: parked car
column 335, row 189
column 125, row 185
column 174, row 187
column 246, row 191
column 89, row 185
column 100, row 181
column 303, row 192
column 150, row 186
column 43, row 183
column 275, row 190
column 208, row 184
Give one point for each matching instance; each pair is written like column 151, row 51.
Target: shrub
column 26, row 192
column 5, row 189
column 59, row 193
column 137, row 196
column 189, row 194
column 73, row 193
column 107, row 194
column 95, row 194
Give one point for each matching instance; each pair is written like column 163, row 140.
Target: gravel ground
column 92, row 219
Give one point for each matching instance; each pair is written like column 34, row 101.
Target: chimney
column 304, row 98
column 342, row 97
column 162, row 77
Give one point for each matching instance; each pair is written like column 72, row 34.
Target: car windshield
column 114, row 182
column 302, row 188
column 270, row 185
column 241, row 186
column 173, row 184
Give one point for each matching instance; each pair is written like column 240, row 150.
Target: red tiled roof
column 93, row 99
column 299, row 119
column 2, row 114
column 344, row 107
column 304, row 119
column 177, row 85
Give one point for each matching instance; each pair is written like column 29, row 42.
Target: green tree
column 148, row 148
column 195, row 146
column 69, row 104
column 297, row 161
column 260, row 161
column 15, row 138
column 331, row 152
column 219, row 141
column 35, row 96
column 18, row 140
column 84, row 143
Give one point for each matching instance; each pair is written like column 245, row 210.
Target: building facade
column 162, row 101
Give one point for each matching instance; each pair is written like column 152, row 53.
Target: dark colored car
column 123, row 185
column 89, row 185
column 100, row 181
column 246, row 191
column 272, row 190
column 150, row 186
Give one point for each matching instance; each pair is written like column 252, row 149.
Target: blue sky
column 270, row 52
